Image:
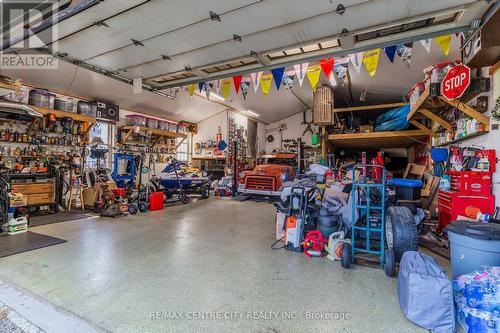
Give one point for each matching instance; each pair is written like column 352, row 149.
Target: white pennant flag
column 426, row 43
column 300, row 71
column 357, row 60
column 217, row 86
column 256, row 80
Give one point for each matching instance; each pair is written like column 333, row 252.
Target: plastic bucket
column 327, row 223
column 473, row 245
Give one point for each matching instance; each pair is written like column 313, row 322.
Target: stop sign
column 455, row 82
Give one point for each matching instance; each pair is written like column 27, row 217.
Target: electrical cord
column 278, row 248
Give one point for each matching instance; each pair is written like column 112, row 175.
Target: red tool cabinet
column 470, row 193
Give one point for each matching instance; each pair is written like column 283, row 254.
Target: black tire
column 133, row 209
column 205, row 191
column 389, row 263
column 346, row 258
column 184, row 199
column 143, row 206
column 400, row 231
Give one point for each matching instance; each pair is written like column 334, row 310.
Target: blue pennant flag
column 390, row 51
column 200, row 86
column 278, row 76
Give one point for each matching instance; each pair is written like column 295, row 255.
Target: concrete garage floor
column 137, row 273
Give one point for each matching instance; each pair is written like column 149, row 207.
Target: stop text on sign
column 455, row 82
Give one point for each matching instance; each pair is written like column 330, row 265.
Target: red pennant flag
column 237, row 81
column 327, row 66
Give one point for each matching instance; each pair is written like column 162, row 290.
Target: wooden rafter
column 421, row 126
column 435, row 118
column 471, row 112
column 370, row 107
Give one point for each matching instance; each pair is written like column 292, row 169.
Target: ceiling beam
column 369, row 107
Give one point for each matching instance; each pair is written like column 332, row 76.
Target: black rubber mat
column 24, row 242
column 36, row 221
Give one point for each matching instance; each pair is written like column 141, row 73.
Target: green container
column 314, row 139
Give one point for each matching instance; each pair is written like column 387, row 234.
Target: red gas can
column 156, row 201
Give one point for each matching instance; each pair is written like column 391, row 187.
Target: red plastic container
column 156, row 201
column 119, row 192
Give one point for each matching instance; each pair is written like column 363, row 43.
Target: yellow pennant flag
column 444, row 43
column 225, row 87
column 191, row 89
column 313, row 73
column 265, row 83
column 370, row 60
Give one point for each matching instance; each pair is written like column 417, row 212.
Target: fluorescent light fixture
column 253, row 113
column 216, row 96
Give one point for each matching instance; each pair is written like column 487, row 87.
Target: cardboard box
column 18, row 200
column 365, row 128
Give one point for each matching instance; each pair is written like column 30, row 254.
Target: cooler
column 156, row 201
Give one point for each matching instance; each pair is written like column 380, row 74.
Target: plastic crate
column 39, row 97
column 152, row 123
column 136, row 120
column 407, row 189
column 163, row 125
column 87, row 108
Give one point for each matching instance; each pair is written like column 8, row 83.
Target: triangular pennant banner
column 225, row 87
column 265, row 83
column 300, row 71
column 278, row 76
column 217, row 86
column 191, row 89
column 444, row 43
column 404, row 52
column 357, row 59
column 426, row 43
column 313, row 73
column 288, row 78
column 390, row 51
column 341, row 71
column 370, row 60
column 327, row 66
column 245, row 85
column 208, row 88
column 256, row 77
column 200, row 86
column 237, row 81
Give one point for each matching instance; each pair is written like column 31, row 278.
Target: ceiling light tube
column 253, row 113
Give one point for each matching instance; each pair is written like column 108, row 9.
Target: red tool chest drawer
column 452, row 203
column 471, row 182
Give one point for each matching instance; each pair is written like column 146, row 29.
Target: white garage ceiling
column 197, row 47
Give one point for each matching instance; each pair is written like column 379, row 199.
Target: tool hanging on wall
column 308, row 123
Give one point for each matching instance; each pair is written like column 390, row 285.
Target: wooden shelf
column 370, row 107
column 218, row 158
column 389, row 139
column 154, row 131
column 432, row 106
column 467, row 137
column 65, row 114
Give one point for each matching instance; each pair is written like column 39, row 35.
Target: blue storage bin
column 406, row 189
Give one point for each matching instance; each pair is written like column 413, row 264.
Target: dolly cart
column 368, row 219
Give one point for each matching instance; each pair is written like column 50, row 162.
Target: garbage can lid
column 490, row 231
column 405, row 182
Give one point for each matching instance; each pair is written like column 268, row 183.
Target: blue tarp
column 393, row 120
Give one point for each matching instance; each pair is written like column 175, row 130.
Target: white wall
column 207, row 129
column 294, row 130
column 492, row 139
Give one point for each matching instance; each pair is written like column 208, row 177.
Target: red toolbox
column 471, row 182
column 156, row 201
column 453, row 203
